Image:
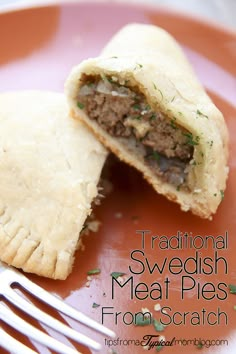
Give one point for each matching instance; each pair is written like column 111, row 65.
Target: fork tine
column 43, row 317
column 8, row 316
column 12, row 345
column 59, row 305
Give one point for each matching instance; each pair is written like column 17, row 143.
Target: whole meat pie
column 49, row 169
column 143, row 101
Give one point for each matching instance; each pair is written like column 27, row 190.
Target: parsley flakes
column 232, row 289
column 117, row 274
column 199, row 113
column 172, row 123
column 80, row 105
column 161, row 94
column 222, row 194
column 156, row 156
column 94, row 271
column 94, row 306
column 138, row 66
column 159, row 327
column 142, row 320
column 191, row 140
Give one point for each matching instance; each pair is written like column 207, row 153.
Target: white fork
column 9, row 275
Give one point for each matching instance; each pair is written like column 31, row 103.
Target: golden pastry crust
column 49, row 170
column 150, row 59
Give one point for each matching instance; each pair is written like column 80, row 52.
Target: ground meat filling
column 124, row 113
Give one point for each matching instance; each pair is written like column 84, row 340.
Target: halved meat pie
column 143, row 101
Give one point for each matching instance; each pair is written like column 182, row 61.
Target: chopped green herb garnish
column 154, row 85
column 80, row 105
column 108, row 78
column 136, row 106
column 94, row 306
column 201, row 114
column 114, row 57
column 190, row 139
column 147, row 108
column 94, row 271
column 195, row 163
column 172, row 123
column 173, row 99
column 161, row 94
column 138, row 117
column 210, row 143
column 222, row 194
column 84, row 227
column 113, row 351
column 202, row 154
column 178, row 187
column 156, row 156
column 159, row 348
column 117, row 274
column 232, row 289
column 180, row 113
column 159, row 327
column 142, row 320
column 215, row 194
column 199, row 345
column 138, row 66
column 153, row 116
column 111, row 80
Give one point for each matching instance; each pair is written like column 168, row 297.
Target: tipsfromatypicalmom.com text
column 150, row 341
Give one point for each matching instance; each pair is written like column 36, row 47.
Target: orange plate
column 38, row 48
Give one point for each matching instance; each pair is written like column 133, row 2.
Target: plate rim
column 149, row 5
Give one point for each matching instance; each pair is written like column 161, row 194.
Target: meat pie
column 142, row 100
column 49, row 171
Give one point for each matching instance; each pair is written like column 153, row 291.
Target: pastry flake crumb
column 157, row 307
column 94, row 225
column 81, row 245
column 146, row 310
column 118, row 215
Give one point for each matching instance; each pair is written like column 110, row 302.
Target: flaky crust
column 151, row 60
column 50, row 165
